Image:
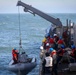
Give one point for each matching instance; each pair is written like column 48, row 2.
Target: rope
column 20, row 42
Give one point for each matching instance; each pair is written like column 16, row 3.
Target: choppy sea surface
column 32, row 33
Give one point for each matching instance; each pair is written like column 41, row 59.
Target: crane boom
column 29, row 8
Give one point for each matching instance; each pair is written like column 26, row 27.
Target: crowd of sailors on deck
column 54, row 48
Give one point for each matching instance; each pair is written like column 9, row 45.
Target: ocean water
column 32, row 33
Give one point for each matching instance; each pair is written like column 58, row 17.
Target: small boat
column 25, row 63
column 24, row 66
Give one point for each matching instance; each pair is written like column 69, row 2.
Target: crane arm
column 29, row 8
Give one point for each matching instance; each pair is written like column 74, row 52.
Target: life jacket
column 44, row 40
column 44, row 45
column 53, row 53
column 60, row 42
column 49, row 61
column 75, row 54
column 56, row 38
column 51, row 41
column 72, row 54
column 54, row 56
column 47, row 46
column 14, row 54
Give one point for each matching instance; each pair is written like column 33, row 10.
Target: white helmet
column 41, row 47
column 47, row 44
column 55, row 34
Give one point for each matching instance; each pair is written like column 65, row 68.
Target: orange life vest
column 53, row 53
column 14, row 54
column 60, row 42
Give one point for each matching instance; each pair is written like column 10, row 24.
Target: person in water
column 15, row 55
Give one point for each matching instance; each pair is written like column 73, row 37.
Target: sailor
column 73, row 53
column 60, row 53
column 47, row 64
column 60, row 42
column 56, row 38
column 47, row 46
column 66, row 36
column 45, row 41
column 54, row 56
column 15, row 55
column 51, row 41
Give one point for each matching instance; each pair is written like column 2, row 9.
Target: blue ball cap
column 47, row 35
column 62, row 46
column 60, row 37
column 51, row 49
column 14, row 48
column 51, row 36
column 72, row 46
